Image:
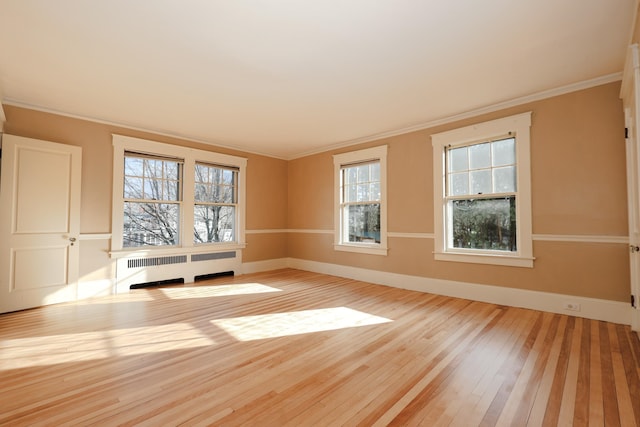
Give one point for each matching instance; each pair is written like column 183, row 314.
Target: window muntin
column 481, row 195
column 216, row 199
column 152, row 198
column 360, row 203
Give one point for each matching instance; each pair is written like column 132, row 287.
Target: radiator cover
column 135, row 269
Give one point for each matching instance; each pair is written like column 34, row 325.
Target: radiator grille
column 213, row 255
column 163, row 260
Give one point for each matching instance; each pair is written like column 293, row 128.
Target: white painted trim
column 412, row 235
column 268, row 231
column 309, row 231
column 580, row 238
column 538, row 96
column 573, row 87
column 128, row 126
column 266, row 265
column 94, row 236
column 591, row 308
column 3, row 117
column 576, row 238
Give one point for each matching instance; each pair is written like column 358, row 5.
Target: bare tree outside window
column 152, row 196
column 216, row 195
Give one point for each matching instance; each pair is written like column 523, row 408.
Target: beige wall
column 266, row 186
column 578, row 188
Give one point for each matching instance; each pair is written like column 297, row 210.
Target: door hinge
column 626, row 133
column 633, row 301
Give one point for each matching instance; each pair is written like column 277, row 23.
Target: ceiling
column 290, row 77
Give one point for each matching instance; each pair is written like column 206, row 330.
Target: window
column 482, row 190
column 360, row 199
column 168, row 196
column 216, row 196
column 152, row 197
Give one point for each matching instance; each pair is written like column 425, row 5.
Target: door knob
column 72, row 240
column 634, row 248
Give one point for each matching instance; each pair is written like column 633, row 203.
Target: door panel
column 39, row 223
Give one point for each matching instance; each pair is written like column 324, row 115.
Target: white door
column 633, row 197
column 630, row 98
column 39, row 222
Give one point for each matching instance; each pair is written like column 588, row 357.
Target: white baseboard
column 266, row 265
column 590, row 308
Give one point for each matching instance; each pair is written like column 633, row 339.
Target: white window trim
column 520, row 124
column 376, row 153
column 190, row 156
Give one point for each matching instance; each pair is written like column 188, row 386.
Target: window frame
column 375, row 154
column 189, row 157
column 518, row 125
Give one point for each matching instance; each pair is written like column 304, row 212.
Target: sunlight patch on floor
column 54, row 349
column 217, row 290
column 248, row 328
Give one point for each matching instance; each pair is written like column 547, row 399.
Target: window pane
column 363, row 173
column 504, row 152
column 213, row 224
column 152, row 189
column 351, row 175
column 132, row 187
column 481, row 182
column 375, row 171
column 350, row 193
column 458, row 159
column 153, row 224
column 459, row 184
column 484, row 224
column 202, row 173
column 480, row 156
column 374, row 191
column 363, row 193
column 228, row 177
column 504, row 179
column 133, row 166
column 215, row 184
column 363, row 223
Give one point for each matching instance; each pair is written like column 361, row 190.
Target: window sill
column 368, row 249
column 492, row 259
column 176, row 250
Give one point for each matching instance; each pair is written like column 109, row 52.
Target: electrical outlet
column 571, row 306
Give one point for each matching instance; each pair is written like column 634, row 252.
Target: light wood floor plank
column 294, row 348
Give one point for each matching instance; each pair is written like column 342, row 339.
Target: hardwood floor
column 293, row 348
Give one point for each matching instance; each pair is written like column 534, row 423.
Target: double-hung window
column 152, row 199
column 482, row 190
column 176, row 199
column 216, row 201
column 360, row 199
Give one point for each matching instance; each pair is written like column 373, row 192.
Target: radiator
column 136, row 270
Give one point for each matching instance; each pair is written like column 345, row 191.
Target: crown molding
column 19, row 104
column 609, row 78
column 574, row 87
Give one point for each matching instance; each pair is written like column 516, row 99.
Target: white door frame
column 630, row 94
